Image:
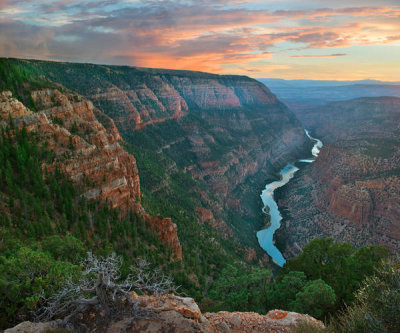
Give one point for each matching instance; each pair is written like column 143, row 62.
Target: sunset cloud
column 319, row 56
column 210, row 35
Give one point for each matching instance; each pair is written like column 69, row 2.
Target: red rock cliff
column 352, row 191
column 85, row 148
column 230, row 133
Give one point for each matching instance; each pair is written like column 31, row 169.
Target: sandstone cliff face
column 352, row 191
column 156, row 96
column 351, row 202
column 223, row 142
column 85, row 150
column 230, row 133
column 172, row 313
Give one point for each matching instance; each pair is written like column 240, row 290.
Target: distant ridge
column 321, row 83
column 302, row 95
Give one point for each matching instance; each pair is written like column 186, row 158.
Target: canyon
column 208, row 143
column 186, row 154
column 228, row 133
column 352, row 191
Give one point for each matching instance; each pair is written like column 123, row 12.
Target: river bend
column 270, row 207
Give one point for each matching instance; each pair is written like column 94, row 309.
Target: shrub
column 316, row 299
column 377, row 306
column 25, row 277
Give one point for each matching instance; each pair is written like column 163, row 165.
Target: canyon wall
column 352, row 191
column 229, row 133
column 86, row 151
column 218, row 139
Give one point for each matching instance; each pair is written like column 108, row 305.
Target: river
column 266, row 236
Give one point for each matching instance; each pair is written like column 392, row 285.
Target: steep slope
column 201, row 166
column 227, row 132
column 352, row 191
column 64, row 138
column 84, row 149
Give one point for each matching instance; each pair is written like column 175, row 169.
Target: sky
column 293, row 39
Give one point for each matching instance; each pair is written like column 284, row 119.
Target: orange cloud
column 210, row 62
column 319, row 56
column 208, row 35
column 393, row 38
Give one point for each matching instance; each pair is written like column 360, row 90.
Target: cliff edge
column 172, row 313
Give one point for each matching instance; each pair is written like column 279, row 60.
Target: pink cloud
column 203, row 35
column 319, row 56
column 393, row 38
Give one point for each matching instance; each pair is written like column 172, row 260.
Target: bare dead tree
column 101, row 285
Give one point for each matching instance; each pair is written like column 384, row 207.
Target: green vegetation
column 205, row 252
column 316, row 299
column 45, row 217
column 324, row 277
column 239, row 290
column 376, row 308
column 46, row 227
column 20, row 77
column 27, row 275
column 377, row 305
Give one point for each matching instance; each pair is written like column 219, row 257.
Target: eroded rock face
column 352, row 202
column 230, row 133
column 85, row 149
column 273, row 321
column 207, row 216
column 161, row 95
column 10, row 106
column 167, row 233
column 352, row 191
column 172, row 313
column 222, row 130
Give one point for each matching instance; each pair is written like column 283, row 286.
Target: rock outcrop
column 172, row 313
column 30, row 327
column 87, row 152
column 230, row 133
column 352, row 191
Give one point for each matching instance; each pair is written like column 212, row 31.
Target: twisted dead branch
column 101, row 285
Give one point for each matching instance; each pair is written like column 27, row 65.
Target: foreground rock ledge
column 179, row 314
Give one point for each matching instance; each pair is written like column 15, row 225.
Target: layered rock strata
column 228, row 132
column 87, row 152
column 352, row 191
